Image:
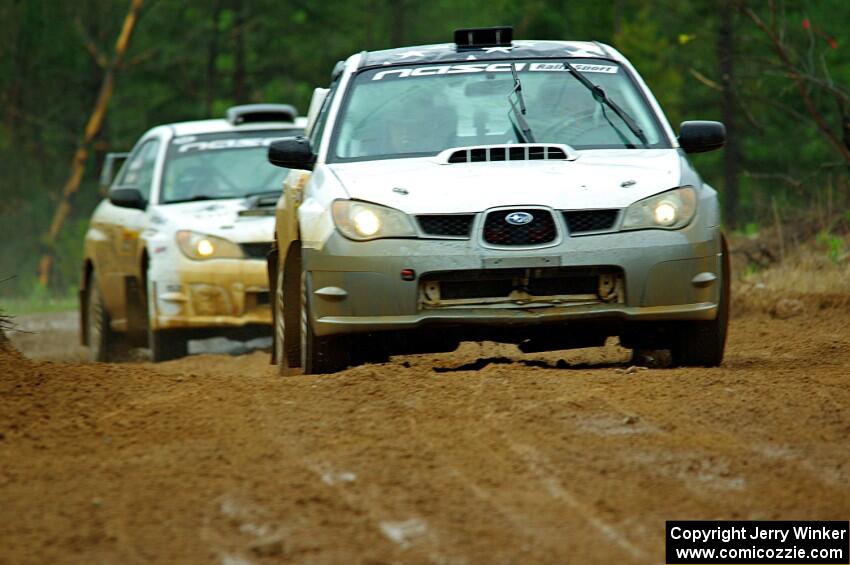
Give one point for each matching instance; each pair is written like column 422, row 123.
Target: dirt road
column 483, row 455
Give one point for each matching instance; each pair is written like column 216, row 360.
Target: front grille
column 447, row 225
column 547, row 281
column 590, row 220
column 540, row 230
column 256, row 250
column 556, row 285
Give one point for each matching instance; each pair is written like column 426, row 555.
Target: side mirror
column 701, row 136
column 110, row 166
column 128, row 198
column 292, row 153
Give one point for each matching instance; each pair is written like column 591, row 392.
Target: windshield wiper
column 600, row 96
column 518, row 122
column 196, row 198
column 271, row 192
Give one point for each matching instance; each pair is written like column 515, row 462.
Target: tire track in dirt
column 529, row 521
column 571, row 513
column 408, row 533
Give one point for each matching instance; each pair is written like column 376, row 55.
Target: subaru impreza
column 526, row 192
column 177, row 249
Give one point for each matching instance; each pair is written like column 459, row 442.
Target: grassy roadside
column 17, row 306
column 785, row 276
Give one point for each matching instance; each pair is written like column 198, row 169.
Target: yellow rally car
column 178, row 249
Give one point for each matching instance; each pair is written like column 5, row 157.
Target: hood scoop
column 508, row 152
column 261, row 204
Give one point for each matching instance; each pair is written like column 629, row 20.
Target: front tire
column 320, row 355
column 702, row 344
column 104, row 344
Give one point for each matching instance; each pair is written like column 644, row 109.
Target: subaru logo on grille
column 519, row 218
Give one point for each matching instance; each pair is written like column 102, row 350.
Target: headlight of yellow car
column 199, row 246
column 671, row 210
column 362, row 221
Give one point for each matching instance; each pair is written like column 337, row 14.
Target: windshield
column 224, row 165
column 422, row 110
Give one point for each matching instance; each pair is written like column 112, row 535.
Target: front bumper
column 356, row 287
column 209, row 294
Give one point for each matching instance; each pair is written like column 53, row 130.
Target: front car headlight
column 671, row 210
column 199, row 246
column 362, row 221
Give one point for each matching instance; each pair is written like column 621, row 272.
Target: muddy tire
column 166, row 345
column 287, row 314
column 104, row 344
column 320, row 355
column 702, row 344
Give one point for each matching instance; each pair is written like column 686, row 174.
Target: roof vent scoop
column 248, row 113
column 474, row 38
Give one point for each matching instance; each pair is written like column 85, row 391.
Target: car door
column 124, row 227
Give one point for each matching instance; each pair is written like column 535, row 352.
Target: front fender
column 286, row 217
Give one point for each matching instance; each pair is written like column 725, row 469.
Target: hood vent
column 515, row 152
column 249, row 113
column 261, row 204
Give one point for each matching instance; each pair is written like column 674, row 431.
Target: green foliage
column 834, row 245
column 751, row 230
column 653, row 52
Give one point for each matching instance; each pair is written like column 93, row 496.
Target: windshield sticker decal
column 432, row 70
column 580, row 67
column 233, row 143
column 588, row 68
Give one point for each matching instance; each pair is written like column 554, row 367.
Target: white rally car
column 528, row 192
column 178, row 249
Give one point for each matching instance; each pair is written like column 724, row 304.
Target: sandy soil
column 484, row 455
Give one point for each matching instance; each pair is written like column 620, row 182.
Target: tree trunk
column 239, row 93
column 729, row 104
column 212, row 57
column 617, row 9
column 844, row 112
column 398, row 22
column 14, row 104
column 100, row 143
column 93, row 127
